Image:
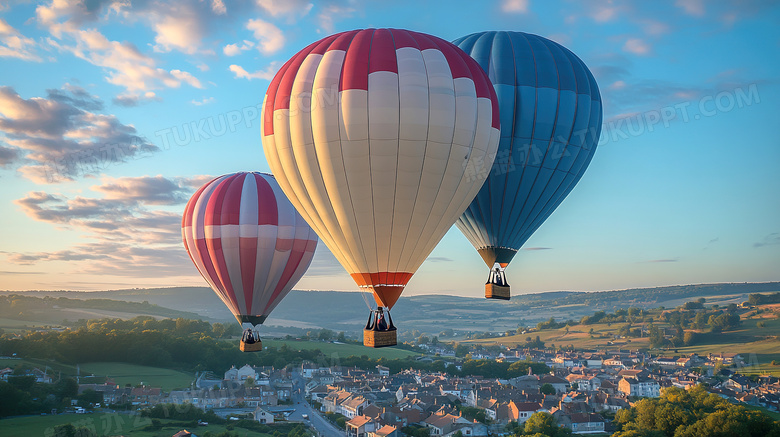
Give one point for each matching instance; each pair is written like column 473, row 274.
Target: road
column 322, row 425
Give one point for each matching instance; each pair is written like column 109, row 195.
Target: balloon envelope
column 551, row 115
column 380, row 138
column 248, row 242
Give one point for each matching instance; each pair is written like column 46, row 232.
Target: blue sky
column 112, row 115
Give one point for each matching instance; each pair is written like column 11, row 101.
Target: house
column 241, row 374
column 684, row 362
column 385, row 431
column 383, row 371
column 665, row 361
column 444, row 424
column 585, row 423
column 184, row 433
column 615, row 362
column 360, row 426
column 353, row 406
column 584, row 382
column 559, row 384
column 263, row 416
column 318, row 393
column 640, row 386
column 738, row 383
column 145, row 395
column 333, row 400
column 524, row 410
column 727, row 358
column 5, row 373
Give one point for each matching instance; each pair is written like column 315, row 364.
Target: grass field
column 343, row 350
column 121, row 373
column 109, row 424
column 53, row 367
column 132, row 374
column 758, row 346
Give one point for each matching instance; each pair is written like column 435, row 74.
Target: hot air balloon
column 380, row 138
column 250, row 245
column 551, row 115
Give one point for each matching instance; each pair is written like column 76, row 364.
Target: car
column 305, row 416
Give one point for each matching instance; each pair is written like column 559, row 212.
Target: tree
column 461, row 350
column 547, row 389
column 656, row 337
column 544, row 423
column 90, row 396
column 249, row 382
column 325, row 334
column 690, row 338
column 693, row 305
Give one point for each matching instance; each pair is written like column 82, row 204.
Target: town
column 582, row 391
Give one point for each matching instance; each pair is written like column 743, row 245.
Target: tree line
column 692, row 413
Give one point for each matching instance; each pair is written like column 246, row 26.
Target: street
column 322, row 425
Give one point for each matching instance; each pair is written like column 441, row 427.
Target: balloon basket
column 379, row 338
column 493, row 291
column 251, row 347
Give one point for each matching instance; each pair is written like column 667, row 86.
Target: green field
column 132, row 374
column 109, row 424
column 121, row 373
column 758, row 346
column 343, row 350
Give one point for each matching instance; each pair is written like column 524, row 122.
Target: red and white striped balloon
column 248, row 242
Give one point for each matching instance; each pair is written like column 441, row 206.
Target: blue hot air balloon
column 550, row 110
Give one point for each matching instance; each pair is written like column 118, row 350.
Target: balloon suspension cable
column 497, row 276
column 367, row 297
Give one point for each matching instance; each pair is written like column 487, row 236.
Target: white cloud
column 202, row 102
column 603, row 13
column 520, row 6
column 130, row 99
column 655, row 28
column 180, row 27
column 69, row 16
column 61, row 137
column 328, row 15
column 617, row 85
column 15, row 45
column 266, row 74
column 218, row 6
column 127, row 237
column 127, row 66
column 235, row 49
column 289, row 8
column 691, row 7
column 270, row 38
column 636, row 46
column 149, row 190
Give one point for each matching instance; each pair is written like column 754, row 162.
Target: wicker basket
column 379, row 338
column 252, row 347
column 493, row 291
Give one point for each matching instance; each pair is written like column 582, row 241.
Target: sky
column 112, row 113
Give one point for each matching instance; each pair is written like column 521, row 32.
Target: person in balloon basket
column 248, row 337
column 381, row 323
